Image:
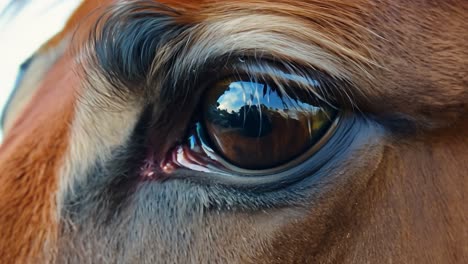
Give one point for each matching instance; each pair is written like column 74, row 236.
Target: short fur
column 130, row 80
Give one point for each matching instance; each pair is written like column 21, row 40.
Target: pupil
column 253, row 122
column 248, row 121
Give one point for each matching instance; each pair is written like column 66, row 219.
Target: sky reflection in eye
column 243, row 93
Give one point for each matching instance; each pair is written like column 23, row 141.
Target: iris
column 258, row 125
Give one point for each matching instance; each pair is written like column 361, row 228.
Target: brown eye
column 255, row 126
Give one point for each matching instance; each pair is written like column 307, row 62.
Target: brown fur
column 29, row 217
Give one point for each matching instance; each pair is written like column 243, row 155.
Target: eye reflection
column 255, row 126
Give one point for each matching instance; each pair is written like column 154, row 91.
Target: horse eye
column 257, row 126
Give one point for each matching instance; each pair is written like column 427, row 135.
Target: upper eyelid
column 188, row 50
column 181, row 74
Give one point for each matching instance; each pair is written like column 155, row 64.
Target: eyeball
column 257, row 126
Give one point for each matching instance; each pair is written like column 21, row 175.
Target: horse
column 246, row 131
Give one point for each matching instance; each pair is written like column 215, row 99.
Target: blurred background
column 24, row 26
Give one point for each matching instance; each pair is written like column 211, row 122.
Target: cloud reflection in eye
column 240, row 94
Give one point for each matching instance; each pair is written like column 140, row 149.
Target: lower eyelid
column 333, row 150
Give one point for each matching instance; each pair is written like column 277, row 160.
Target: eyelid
column 335, row 149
